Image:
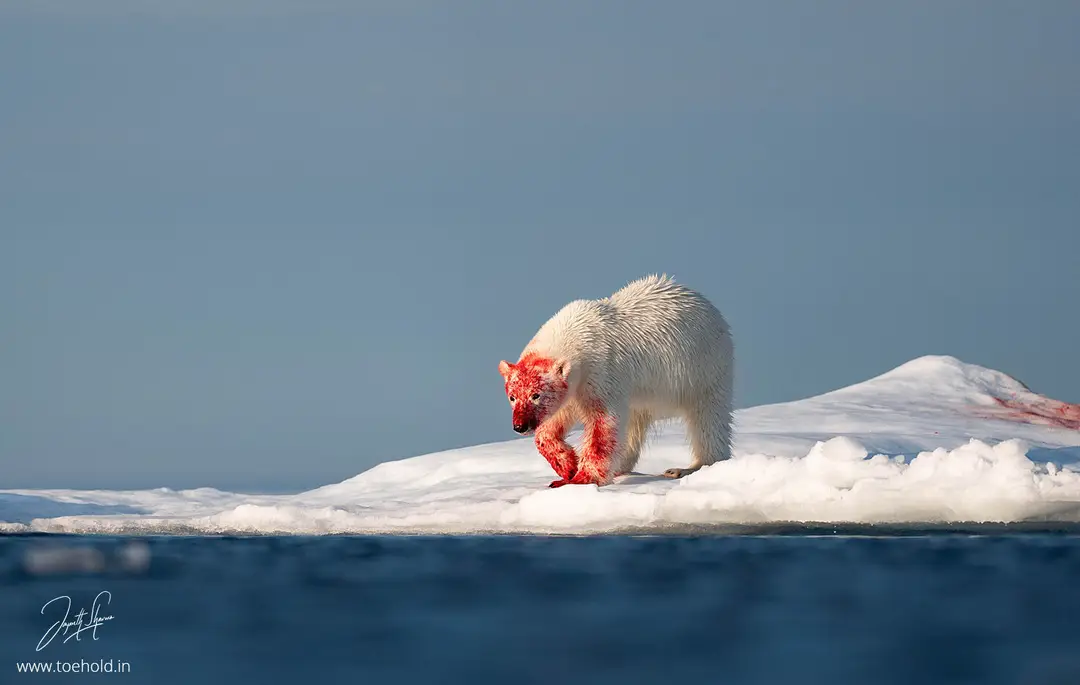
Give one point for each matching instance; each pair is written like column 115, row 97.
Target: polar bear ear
column 562, row 369
column 505, row 368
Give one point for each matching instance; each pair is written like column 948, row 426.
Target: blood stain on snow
column 1041, row 410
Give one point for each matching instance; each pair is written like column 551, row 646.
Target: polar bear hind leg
column 709, row 428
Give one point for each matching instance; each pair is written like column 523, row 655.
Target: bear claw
column 678, row 473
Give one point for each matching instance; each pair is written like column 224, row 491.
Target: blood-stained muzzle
column 525, row 420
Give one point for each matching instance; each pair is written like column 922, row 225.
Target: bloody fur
column 534, row 376
column 597, row 448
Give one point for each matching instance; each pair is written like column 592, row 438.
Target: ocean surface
column 862, row 605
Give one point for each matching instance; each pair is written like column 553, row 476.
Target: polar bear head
column 536, row 387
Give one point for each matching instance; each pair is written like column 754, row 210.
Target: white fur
column 651, row 351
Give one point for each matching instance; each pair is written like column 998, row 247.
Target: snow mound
column 933, row 441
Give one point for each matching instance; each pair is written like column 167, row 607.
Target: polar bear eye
column 536, row 396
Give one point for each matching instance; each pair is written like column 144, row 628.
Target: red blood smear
column 532, row 375
column 1043, row 411
column 598, row 447
column 550, row 444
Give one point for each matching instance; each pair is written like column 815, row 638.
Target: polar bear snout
column 525, row 422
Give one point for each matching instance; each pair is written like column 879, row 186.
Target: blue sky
column 268, row 245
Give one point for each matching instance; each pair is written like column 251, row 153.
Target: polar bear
column 651, row 351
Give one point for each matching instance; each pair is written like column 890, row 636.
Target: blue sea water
column 923, row 607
